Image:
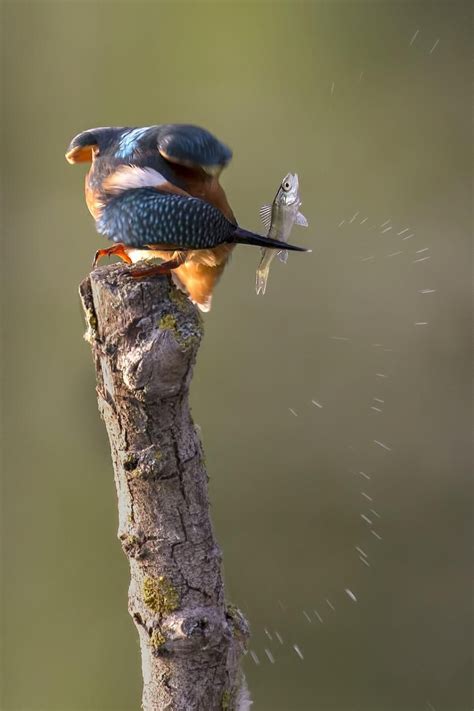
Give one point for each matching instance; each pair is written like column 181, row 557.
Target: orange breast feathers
column 200, row 273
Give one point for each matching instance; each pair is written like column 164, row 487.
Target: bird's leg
column 163, row 268
column 117, row 249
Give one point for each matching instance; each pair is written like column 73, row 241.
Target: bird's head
column 88, row 144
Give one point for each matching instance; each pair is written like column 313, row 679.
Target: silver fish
column 279, row 218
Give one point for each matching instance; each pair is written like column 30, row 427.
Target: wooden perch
column 144, row 336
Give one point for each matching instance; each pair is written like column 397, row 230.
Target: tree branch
column 144, row 336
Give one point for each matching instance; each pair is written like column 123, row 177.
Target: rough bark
column 144, row 336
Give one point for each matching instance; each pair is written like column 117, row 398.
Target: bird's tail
column 241, row 236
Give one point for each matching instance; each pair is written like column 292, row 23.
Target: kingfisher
column 155, row 192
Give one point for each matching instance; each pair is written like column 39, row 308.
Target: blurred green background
column 373, row 112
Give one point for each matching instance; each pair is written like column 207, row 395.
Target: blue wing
column 143, row 216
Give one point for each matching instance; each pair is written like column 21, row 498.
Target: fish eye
column 286, row 185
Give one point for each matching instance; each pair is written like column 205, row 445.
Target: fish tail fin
column 261, row 279
column 263, row 270
column 241, row 236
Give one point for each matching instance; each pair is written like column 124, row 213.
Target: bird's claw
column 117, row 249
column 98, row 255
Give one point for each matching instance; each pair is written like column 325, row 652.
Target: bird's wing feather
column 145, row 216
column 192, row 146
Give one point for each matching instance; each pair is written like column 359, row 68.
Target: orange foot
column 163, row 268
column 117, row 249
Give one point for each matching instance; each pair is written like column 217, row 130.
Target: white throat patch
column 131, row 176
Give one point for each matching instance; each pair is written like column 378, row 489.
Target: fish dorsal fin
column 266, row 215
column 301, row 220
